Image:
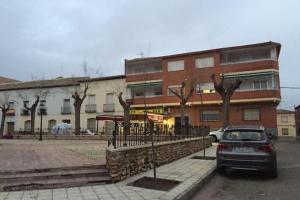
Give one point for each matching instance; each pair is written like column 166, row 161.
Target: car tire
column 274, row 172
column 221, row 169
column 215, row 138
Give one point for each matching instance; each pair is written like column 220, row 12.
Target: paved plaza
column 192, row 173
column 33, row 154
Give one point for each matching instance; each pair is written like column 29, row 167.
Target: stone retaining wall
column 127, row 161
column 62, row 137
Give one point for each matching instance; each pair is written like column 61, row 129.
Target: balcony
column 44, row 111
column 91, row 108
column 24, row 112
column 11, row 112
column 109, row 107
column 66, row 110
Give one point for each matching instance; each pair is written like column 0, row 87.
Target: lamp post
column 42, row 109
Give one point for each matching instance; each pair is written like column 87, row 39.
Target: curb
column 193, row 189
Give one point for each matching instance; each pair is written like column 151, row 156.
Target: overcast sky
column 50, row 38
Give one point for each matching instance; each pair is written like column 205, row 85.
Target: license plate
column 244, row 149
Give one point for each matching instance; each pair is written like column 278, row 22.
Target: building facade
column 56, row 96
column 286, row 123
column 254, row 103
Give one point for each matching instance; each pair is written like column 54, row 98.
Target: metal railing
column 66, row 110
column 109, row 107
column 90, row 108
column 140, row 134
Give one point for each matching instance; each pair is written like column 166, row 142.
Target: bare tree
column 78, row 100
column 39, row 92
column 225, row 89
column 4, row 106
column 32, row 110
column 183, row 99
column 126, row 108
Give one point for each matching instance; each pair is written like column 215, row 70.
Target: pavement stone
column 192, row 173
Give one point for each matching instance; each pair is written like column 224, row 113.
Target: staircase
column 54, row 178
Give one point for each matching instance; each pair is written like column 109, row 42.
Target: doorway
column 178, row 124
column 10, row 128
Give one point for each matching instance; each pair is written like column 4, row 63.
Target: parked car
column 246, row 148
column 216, row 134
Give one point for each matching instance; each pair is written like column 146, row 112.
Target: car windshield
column 244, row 135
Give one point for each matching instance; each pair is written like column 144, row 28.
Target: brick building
column 254, row 103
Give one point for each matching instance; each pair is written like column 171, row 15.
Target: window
column 51, row 124
column 11, row 105
column 285, row 131
column 92, row 99
column 175, row 88
column 203, row 88
column 109, row 98
column 43, row 103
column 210, row 115
column 175, row 65
column 246, row 135
column 26, row 103
column 260, row 85
column 245, row 55
column 27, row 125
column 67, row 103
column 91, row 124
column 284, row 119
column 252, row 114
column 204, row 62
column 141, row 67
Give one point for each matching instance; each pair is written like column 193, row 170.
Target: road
column 241, row 185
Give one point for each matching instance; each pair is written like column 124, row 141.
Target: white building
column 56, row 94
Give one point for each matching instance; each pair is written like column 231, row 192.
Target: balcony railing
column 65, row 110
column 90, row 108
column 24, row 112
column 44, row 111
column 109, row 107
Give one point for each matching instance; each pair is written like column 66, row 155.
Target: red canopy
column 110, row 117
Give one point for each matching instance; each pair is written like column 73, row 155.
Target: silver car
column 246, row 148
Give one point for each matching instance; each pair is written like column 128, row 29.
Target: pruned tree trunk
column 77, row 107
column 4, row 109
column 126, row 108
column 77, row 118
column 32, row 110
column 225, row 90
column 183, row 100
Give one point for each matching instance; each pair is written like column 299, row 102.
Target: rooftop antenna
column 141, row 54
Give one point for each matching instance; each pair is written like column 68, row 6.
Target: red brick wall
column 267, row 115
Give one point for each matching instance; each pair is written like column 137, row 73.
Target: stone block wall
column 127, row 161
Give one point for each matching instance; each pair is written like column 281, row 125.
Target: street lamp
column 42, row 109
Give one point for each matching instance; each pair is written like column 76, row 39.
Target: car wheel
column 215, row 139
column 221, row 169
column 274, row 172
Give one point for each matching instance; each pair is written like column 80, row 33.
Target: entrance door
column 178, row 124
column 10, row 128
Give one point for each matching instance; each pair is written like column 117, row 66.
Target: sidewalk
column 191, row 172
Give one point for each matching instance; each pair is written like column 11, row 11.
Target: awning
column 110, row 117
column 249, row 75
column 145, row 85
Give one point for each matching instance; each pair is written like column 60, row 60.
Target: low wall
column 62, row 137
column 127, row 161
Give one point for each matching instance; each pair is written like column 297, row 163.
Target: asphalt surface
column 249, row 185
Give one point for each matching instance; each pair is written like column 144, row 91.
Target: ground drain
column 159, row 184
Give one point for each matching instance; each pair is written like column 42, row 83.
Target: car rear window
column 244, row 135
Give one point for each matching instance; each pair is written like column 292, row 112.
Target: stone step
column 56, row 183
column 72, row 168
column 32, row 176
